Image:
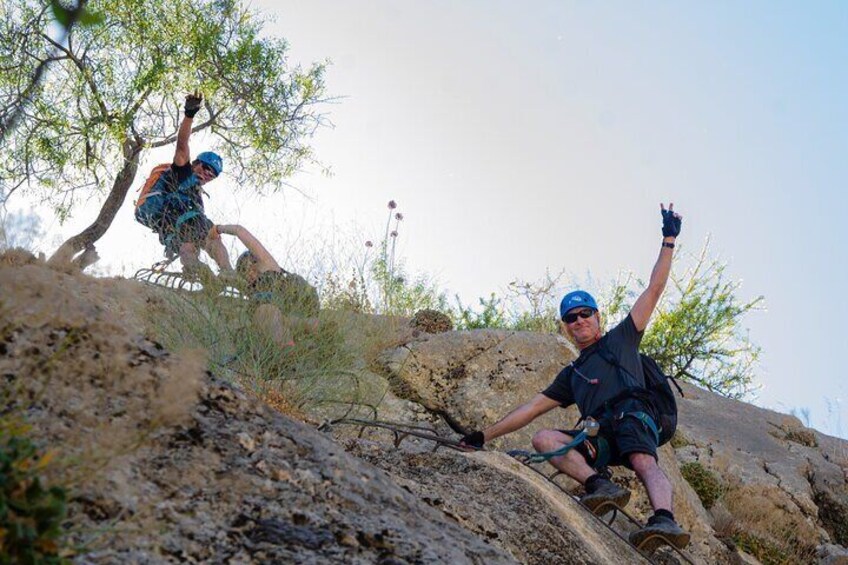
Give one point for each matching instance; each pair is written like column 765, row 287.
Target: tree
column 13, row 103
column 114, row 90
column 696, row 332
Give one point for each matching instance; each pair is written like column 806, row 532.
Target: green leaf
column 61, row 14
column 91, row 18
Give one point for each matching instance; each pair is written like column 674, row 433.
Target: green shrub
column 706, row 484
column 679, row 440
column 31, row 512
column 696, row 331
column 491, row 316
column 766, row 552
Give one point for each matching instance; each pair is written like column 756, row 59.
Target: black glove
column 474, row 439
column 671, row 223
column 192, row 104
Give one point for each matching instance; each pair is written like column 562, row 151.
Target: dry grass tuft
column 315, row 372
column 17, row 258
column 431, row 321
column 281, row 402
column 755, row 519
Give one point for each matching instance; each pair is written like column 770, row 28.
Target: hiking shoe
column 659, row 530
column 604, row 492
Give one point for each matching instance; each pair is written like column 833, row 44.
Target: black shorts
column 616, row 441
column 175, row 233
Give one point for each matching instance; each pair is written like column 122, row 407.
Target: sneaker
column 659, row 529
column 604, row 492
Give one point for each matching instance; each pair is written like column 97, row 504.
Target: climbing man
column 604, row 388
column 171, row 201
column 284, row 301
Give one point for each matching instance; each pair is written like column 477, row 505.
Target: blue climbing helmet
column 576, row 299
column 213, row 160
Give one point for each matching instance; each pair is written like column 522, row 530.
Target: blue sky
column 520, row 137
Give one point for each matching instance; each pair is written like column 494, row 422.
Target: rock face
column 533, row 520
column 179, row 466
column 474, row 378
column 780, row 466
column 785, row 485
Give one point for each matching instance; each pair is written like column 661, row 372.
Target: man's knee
column 642, row 462
column 548, row 440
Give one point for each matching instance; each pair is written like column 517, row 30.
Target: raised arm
column 647, row 301
column 264, row 259
column 182, row 155
column 515, row 420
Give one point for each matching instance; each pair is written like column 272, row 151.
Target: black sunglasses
column 571, row 317
column 208, row 169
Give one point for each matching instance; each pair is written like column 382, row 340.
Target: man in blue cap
column 590, row 381
column 171, row 203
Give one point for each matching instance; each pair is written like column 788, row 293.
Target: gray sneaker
column 657, row 531
column 605, row 492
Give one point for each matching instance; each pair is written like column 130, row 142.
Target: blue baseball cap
column 576, row 299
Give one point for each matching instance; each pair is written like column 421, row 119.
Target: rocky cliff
column 167, row 462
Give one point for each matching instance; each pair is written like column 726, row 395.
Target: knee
column 642, row 462
column 212, row 239
column 188, row 249
column 546, row 440
column 539, row 440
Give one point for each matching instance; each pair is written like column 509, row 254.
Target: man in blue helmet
column 171, row 203
column 590, row 382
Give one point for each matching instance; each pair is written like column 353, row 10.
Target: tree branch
column 104, row 111
column 117, row 195
column 173, row 137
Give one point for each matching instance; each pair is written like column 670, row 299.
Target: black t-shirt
column 593, row 381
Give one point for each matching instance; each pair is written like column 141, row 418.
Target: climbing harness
column 170, row 238
column 590, row 429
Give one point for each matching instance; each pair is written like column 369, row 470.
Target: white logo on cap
column 577, row 299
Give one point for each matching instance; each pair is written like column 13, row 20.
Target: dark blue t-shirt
column 592, row 380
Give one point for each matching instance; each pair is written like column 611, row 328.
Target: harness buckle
column 591, row 426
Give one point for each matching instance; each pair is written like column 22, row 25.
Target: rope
column 528, row 457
